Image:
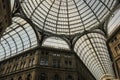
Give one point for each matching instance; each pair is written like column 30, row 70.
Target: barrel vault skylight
column 92, row 50
column 17, row 38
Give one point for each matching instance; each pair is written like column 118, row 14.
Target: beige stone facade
column 114, row 44
column 44, row 64
column 5, row 15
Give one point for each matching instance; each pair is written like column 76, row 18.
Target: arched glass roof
column 114, row 22
column 62, row 17
column 17, row 38
column 66, row 17
column 92, row 50
column 56, row 42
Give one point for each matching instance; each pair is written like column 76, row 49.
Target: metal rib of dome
column 67, row 17
column 92, row 50
column 17, row 38
column 12, row 4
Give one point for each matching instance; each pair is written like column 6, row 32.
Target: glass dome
column 66, row 17
column 61, row 17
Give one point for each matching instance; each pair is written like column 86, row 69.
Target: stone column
column 37, row 56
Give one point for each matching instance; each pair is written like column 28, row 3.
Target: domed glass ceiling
column 62, row 17
column 67, row 17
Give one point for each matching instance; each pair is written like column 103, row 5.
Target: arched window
column 44, row 61
column 23, row 63
column 29, row 77
column 56, row 42
column 56, row 77
column 20, row 78
column 12, row 79
column 43, row 76
column 56, row 63
column 69, row 77
column 33, row 61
